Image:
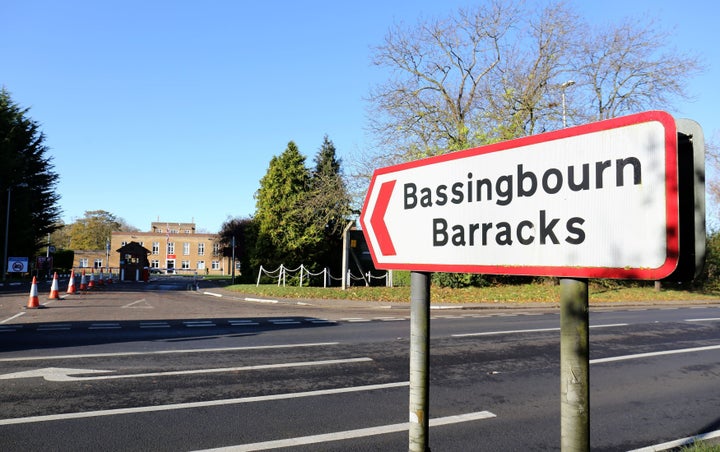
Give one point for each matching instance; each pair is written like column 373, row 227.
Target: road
column 152, row 368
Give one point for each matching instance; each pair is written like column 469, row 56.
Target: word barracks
column 521, row 184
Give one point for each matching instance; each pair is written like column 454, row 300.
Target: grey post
column 419, row 361
column 574, row 365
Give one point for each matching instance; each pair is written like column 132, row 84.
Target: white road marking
column 709, row 319
column 352, row 434
column 679, row 442
column 147, row 306
column 653, row 354
column 198, row 323
column 60, row 374
column 13, row 317
column 213, row 294
column 260, row 300
column 209, row 403
column 54, row 327
column 536, row 330
column 168, row 352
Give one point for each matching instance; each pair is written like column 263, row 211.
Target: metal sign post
column 574, row 365
column 419, row 361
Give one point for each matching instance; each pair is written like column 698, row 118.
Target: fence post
column 301, row 274
column 257, row 284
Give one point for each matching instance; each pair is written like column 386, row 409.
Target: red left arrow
column 377, row 219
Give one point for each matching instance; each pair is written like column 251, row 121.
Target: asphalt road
column 147, row 367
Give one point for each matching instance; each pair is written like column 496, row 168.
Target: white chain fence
column 281, row 273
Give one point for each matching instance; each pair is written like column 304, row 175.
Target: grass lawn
column 522, row 293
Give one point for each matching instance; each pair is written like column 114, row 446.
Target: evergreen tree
column 284, row 235
column 328, row 206
column 27, row 179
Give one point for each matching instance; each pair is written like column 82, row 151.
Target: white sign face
column 17, row 264
column 598, row 200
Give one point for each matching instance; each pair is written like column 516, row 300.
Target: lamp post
column 562, row 87
column 7, row 229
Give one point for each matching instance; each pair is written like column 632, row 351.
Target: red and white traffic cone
column 83, row 282
column 91, row 283
column 54, row 290
column 101, row 279
column 33, row 301
column 71, row 283
column 109, row 277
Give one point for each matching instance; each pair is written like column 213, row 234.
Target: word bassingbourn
column 520, row 184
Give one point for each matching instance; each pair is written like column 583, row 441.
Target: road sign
column 593, row 201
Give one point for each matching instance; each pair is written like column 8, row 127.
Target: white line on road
column 653, row 354
column 13, row 317
column 260, row 300
column 680, row 442
column 352, row 434
column 147, row 306
column 167, row 352
column 62, row 374
column 710, row 319
column 536, row 330
column 209, row 403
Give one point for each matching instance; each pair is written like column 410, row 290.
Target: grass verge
column 513, row 294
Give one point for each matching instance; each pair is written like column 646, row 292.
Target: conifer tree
column 28, row 179
column 328, row 206
column 284, row 235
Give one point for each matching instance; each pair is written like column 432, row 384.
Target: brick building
column 174, row 248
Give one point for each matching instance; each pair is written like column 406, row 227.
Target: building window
column 98, row 263
column 186, row 248
column 201, row 249
column 171, row 248
column 123, row 243
column 185, row 265
column 201, row 265
column 216, row 265
column 83, row 262
column 154, row 263
column 216, row 249
column 156, row 248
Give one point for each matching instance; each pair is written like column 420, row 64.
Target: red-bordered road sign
column 593, row 201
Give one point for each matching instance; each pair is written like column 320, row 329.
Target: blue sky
column 135, row 97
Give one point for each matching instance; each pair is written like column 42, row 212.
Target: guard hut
column 134, row 262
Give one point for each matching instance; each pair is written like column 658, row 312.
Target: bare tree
column 628, row 68
column 440, row 70
column 500, row 71
column 525, row 98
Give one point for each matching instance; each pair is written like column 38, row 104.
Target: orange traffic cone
column 33, row 301
column 91, row 283
column 71, row 284
column 109, row 277
column 54, row 294
column 101, row 279
column 83, row 282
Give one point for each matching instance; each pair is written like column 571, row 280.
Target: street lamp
column 562, row 87
column 7, row 228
